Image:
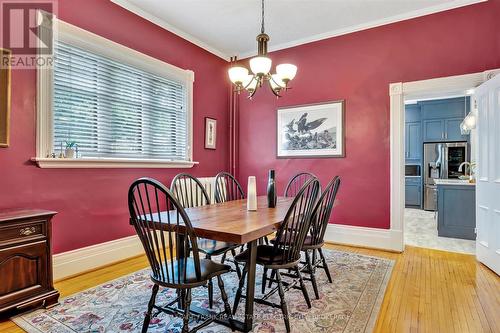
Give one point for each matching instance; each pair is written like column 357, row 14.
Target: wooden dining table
column 232, row 222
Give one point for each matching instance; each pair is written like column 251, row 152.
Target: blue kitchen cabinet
column 413, row 141
column 441, row 119
column 445, row 108
column 443, row 130
column 457, row 211
column 413, row 192
column 412, row 113
column 452, row 130
column 413, row 134
column 433, row 130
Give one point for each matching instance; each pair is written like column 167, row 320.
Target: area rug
column 350, row 304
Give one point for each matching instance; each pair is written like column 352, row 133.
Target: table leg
column 252, row 248
column 180, row 253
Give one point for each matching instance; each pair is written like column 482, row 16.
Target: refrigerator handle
column 444, row 166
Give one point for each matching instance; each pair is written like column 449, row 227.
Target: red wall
column 92, row 203
column 358, row 68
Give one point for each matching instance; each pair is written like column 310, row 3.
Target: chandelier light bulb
column 237, row 74
column 260, row 65
column 286, row 71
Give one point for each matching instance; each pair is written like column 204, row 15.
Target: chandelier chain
column 262, row 27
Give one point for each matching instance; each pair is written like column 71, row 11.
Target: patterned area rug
column 350, row 304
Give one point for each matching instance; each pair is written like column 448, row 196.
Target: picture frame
column 5, row 98
column 311, row 131
column 210, row 133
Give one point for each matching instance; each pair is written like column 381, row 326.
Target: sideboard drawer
column 20, row 232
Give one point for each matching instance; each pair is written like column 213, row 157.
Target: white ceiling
column 229, row 27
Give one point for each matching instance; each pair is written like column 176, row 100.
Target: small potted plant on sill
column 69, row 152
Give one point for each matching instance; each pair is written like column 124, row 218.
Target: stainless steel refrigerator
column 441, row 161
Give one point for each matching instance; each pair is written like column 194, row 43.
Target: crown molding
column 161, row 23
column 367, row 25
column 334, row 33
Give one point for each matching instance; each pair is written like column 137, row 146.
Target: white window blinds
column 111, row 109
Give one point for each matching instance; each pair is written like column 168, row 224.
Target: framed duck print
column 311, row 131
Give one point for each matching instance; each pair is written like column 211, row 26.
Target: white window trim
column 76, row 36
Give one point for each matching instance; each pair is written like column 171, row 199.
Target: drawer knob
column 27, row 231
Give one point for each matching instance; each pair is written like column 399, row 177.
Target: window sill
column 87, row 163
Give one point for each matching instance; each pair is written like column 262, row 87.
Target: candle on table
column 251, row 194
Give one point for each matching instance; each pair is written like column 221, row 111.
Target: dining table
column 230, row 221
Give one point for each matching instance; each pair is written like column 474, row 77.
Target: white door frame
column 415, row 90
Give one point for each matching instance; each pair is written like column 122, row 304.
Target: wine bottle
column 271, row 190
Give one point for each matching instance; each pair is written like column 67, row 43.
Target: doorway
column 434, row 89
column 438, row 160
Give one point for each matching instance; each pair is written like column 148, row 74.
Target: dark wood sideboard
column 26, row 261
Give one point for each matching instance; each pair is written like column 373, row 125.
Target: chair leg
column 310, row 267
column 151, row 303
column 210, row 289
column 227, row 308
column 284, row 308
column 187, row 304
column 210, row 293
column 179, row 299
column 264, row 280
column 223, row 258
column 237, row 297
column 273, row 275
column 237, row 267
column 303, row 287
column 325, row 265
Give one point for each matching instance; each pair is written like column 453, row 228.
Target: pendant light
column 260, row 67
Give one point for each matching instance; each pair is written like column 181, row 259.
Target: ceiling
column 229, row 27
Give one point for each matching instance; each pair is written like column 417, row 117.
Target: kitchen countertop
column 453, row 182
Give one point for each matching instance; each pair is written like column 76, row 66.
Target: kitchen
column 439, row 174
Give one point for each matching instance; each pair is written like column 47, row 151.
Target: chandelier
column 261, row 69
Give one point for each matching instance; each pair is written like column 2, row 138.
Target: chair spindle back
column 189, row 191
column 296, row 182
column 322, row 211
column 160, row 222
column 291, row 235
column 227, row 188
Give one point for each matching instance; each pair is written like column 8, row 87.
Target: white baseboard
column 385, row 239
column 87, row 258
column 91, row 257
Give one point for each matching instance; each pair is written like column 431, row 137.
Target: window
column 120, row 107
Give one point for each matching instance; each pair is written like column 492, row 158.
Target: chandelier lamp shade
column 260, row 67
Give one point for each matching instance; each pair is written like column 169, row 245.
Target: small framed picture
column 311, row 131
column 210, row 133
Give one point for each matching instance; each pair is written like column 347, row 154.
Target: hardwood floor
column 429, row 291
